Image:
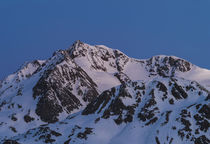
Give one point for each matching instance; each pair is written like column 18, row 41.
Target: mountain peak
column 152, row 94
column 78, row 48
column 168, row 65
column 165, row 57
column 77, row 43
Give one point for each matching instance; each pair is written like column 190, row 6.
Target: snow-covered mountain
column 94, row 94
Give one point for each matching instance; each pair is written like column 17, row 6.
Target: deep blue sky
column 34, row 29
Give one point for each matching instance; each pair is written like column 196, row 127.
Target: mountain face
column 94, row 94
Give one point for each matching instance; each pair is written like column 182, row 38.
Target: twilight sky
column 34, row 29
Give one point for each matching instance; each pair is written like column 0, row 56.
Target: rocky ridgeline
column 42, row 100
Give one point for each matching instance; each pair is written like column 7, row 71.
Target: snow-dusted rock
column 94, row 94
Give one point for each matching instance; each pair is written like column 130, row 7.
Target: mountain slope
column 85, row 88
column 163, row 110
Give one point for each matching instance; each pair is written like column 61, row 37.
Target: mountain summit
column 94, row 94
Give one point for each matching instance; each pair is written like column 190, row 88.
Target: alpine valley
column 97, row 95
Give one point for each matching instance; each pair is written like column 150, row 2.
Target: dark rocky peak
column 167, row 65
column 78, row 49
column 64, row 87
column 77, row 44
column 99, row 57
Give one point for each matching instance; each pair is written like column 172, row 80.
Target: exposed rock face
column 54, row 91
column 99, row 57
column 136, row 107
column 92, row 94
column 167, row 65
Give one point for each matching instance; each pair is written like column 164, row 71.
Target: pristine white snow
column 198, row 74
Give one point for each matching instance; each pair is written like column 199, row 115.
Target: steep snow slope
column 48, row 91
column 162, row 110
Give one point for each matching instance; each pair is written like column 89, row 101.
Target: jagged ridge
column 71, row 79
